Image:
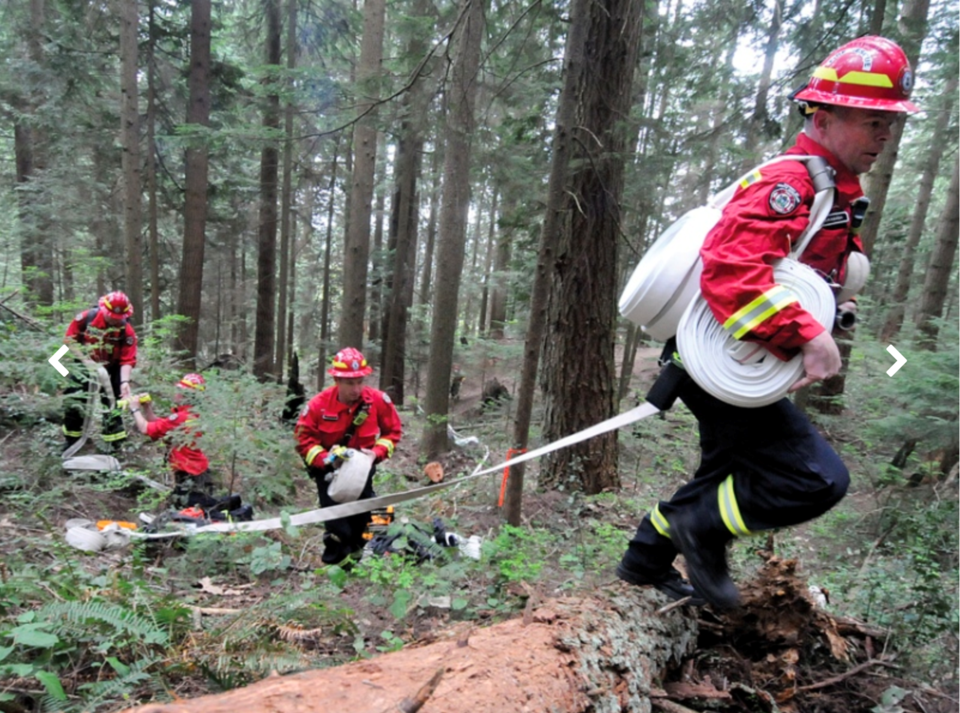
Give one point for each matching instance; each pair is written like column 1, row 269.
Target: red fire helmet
column 116, row 304
column 349, row 363
column 868, row 73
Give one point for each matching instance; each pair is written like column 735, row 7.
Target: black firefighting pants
column 75, row 406
column 192, row 489
column 760, row 468
column 348, row 531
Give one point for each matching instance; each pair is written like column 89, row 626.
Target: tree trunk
column 574, row 68
column 579, row 375
column 30, row 155
column 757, row 125
column 403, row 224
column 928, row 174
column 265, row 329
column 286, row 195
column 501, row 264
column 912, row 30
column 151, row 167
column 325, row 293
column 940, row 268
column 195, row 200
column 461, row 98
column 566, row 656
column 630, row 343
column 357, row 248
column 487, row 264
column 130, row 141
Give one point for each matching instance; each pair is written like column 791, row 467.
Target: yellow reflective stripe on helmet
column 659, row 522
column 759, row 310
column 312, row 454
column 729, row 511
column 72, row 434
column 863, row 79
column 111, row 437
column 386, row 443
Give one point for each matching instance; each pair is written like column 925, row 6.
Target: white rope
column 743, row 373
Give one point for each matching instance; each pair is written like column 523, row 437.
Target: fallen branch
column 826, row 683
column 412, row 705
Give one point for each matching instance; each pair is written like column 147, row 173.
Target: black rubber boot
column 668, row 581
column 706, row 558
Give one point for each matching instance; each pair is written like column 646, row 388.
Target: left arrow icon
column 55, row 360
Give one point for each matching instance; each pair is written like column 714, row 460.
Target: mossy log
column 604, row 653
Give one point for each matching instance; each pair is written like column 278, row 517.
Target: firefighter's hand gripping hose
column 743, row 373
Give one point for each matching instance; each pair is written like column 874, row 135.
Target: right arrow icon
column 900, row 360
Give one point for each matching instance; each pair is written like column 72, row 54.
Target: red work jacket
column 324, row 421
column 184, row 454
column 108, row 345
column 759, row 226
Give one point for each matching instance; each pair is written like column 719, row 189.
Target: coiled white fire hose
column 743, row 373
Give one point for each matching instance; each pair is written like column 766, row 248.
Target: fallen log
column 604, row 653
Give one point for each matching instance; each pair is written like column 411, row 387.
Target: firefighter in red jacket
column 344, row 416
column 105, row 334
column 764, row 468
column 190, row 466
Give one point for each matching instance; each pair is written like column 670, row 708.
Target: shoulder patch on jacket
column 386, row 398
column 784, row 199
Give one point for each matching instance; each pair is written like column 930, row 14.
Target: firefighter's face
column 855, row 136
column 349, row 390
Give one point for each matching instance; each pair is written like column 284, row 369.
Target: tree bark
column 912, row 30
column 579, row 373
column 940, row 267
column 567, row 656
column 30, row 154
column 265, row 329
column 928, row 174
column 195, row 200
column 398, row 283
column 574, row 67
column 130, row 161
column 151, row 166
column 461, row 98
column 357, row 248
column 286, row 196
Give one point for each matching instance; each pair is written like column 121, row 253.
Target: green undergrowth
column 95, row 632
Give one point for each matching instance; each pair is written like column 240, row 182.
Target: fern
column 124, row 622
column 127, row 680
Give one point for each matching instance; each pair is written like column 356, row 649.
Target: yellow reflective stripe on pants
column 759, row 310
column 659, row 522
column 72, row 434
column 729, row 511
column 110, row 437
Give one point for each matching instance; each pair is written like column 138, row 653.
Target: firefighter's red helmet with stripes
column 868, row 73
column 116, row 304
column 349, row 363
column 192, row 381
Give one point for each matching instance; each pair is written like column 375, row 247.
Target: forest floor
column 266, row 603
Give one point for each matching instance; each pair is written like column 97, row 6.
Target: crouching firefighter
column 768, row 467
column 105, row 334
column 190, row 466
column 346, row 422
